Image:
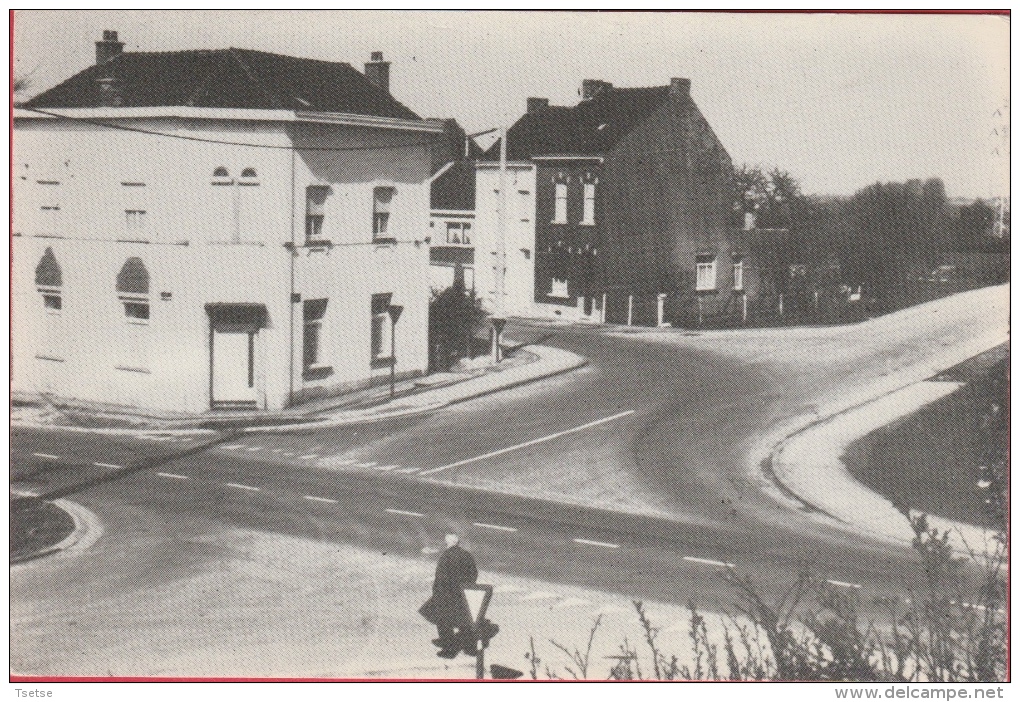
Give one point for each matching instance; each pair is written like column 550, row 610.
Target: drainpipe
column 291, row 253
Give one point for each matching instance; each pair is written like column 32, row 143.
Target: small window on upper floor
column 315, row 212
column 221, row 176
column 458, row 233
column 381, row 208
column 560, row 206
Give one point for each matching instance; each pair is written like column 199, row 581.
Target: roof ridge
column 289, row 57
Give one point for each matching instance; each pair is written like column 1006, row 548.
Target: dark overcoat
column 456, row 567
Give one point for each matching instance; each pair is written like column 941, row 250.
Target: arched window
column 221, row 176
column 249, row 174
column 133, row 290
column 49, row 280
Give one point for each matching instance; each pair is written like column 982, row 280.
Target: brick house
column 632, row 204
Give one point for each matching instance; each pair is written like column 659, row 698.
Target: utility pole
column 499, row 313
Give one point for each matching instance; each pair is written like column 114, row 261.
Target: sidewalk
column 414, row 396
column 809, row 464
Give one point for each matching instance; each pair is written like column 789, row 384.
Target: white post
column 701, row 313
column 630, row 310
column 780, row 305
column 816, row 302
column 660, row 309
column 744, row 313
column 603, row 308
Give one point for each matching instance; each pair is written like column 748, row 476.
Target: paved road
column 644, row 452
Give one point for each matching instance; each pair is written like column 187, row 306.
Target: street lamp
column 394, row 311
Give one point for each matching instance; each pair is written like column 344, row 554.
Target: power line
column 185, row 137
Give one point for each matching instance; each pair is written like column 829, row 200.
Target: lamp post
column 394, row 312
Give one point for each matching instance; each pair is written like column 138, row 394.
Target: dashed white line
column 843, row 583
column 313, row 498
column 494, row 527
column 243, row 487
column 540, row 440
column 176, row 476
column 232, row 447
column 255, row 448
column 106, row 465
column 603, row 544
column 309, row 456
column 405, row 512
column 708, row 561
column 46, row 455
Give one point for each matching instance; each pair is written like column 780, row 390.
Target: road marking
column 541, row 440
column 495, row 527
column 232, row 447
column 255, row 448
column 320, row 499
column 603, row 544
column 105, row 465
column 386, row 468
column 708, row 561
column 841, row 583
column 278, row 450
column 406, row 470
column 311, row 455
column 288, row 453
column 243, row 487
column 173, row 475
column 346, row 462
column 405, row 513
column 47, row 455
column 365, row 465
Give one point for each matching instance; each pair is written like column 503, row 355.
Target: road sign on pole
column 477, row 597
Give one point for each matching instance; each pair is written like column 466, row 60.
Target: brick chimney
column 535, row 104
column 590, row 87
column 108, row 48
column 378, row 71
column 680, row 86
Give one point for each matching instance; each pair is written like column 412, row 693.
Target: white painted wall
column 190, row 223
column 519, row 287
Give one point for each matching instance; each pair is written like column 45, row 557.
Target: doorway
column 234, row 361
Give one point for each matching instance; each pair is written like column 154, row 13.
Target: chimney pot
column 590, row 87
column 108, row 48
column 536, row 103
column 680, row 86
column 378, row 71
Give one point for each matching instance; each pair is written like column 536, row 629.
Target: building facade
column 631, row 209
column 217, row 229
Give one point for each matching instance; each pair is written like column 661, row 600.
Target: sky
column 839, row 101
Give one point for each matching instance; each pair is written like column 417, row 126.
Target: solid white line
column 320, row 499
column 495, row 527
column 106, row 465
column 708, row 561
column 603, row 544
column 243, row 487
column 47, row 455
column 404, row 512
column 841, row 583
column 543, row 439
column 173, row 475
column 311, row 455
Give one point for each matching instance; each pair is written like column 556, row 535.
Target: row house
column 617, row 209
column 218, row 229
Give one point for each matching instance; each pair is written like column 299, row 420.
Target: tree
column 454, row 316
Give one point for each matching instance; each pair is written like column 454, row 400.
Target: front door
column 233, row 368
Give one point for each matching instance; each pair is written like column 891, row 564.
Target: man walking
column 447, row 608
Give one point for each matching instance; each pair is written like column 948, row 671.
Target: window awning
column 237, row 316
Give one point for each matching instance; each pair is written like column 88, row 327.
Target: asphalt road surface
column 628, row 476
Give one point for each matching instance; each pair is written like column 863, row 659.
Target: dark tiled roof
column 455, row 189
column 232, row 78
column 593, row 126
